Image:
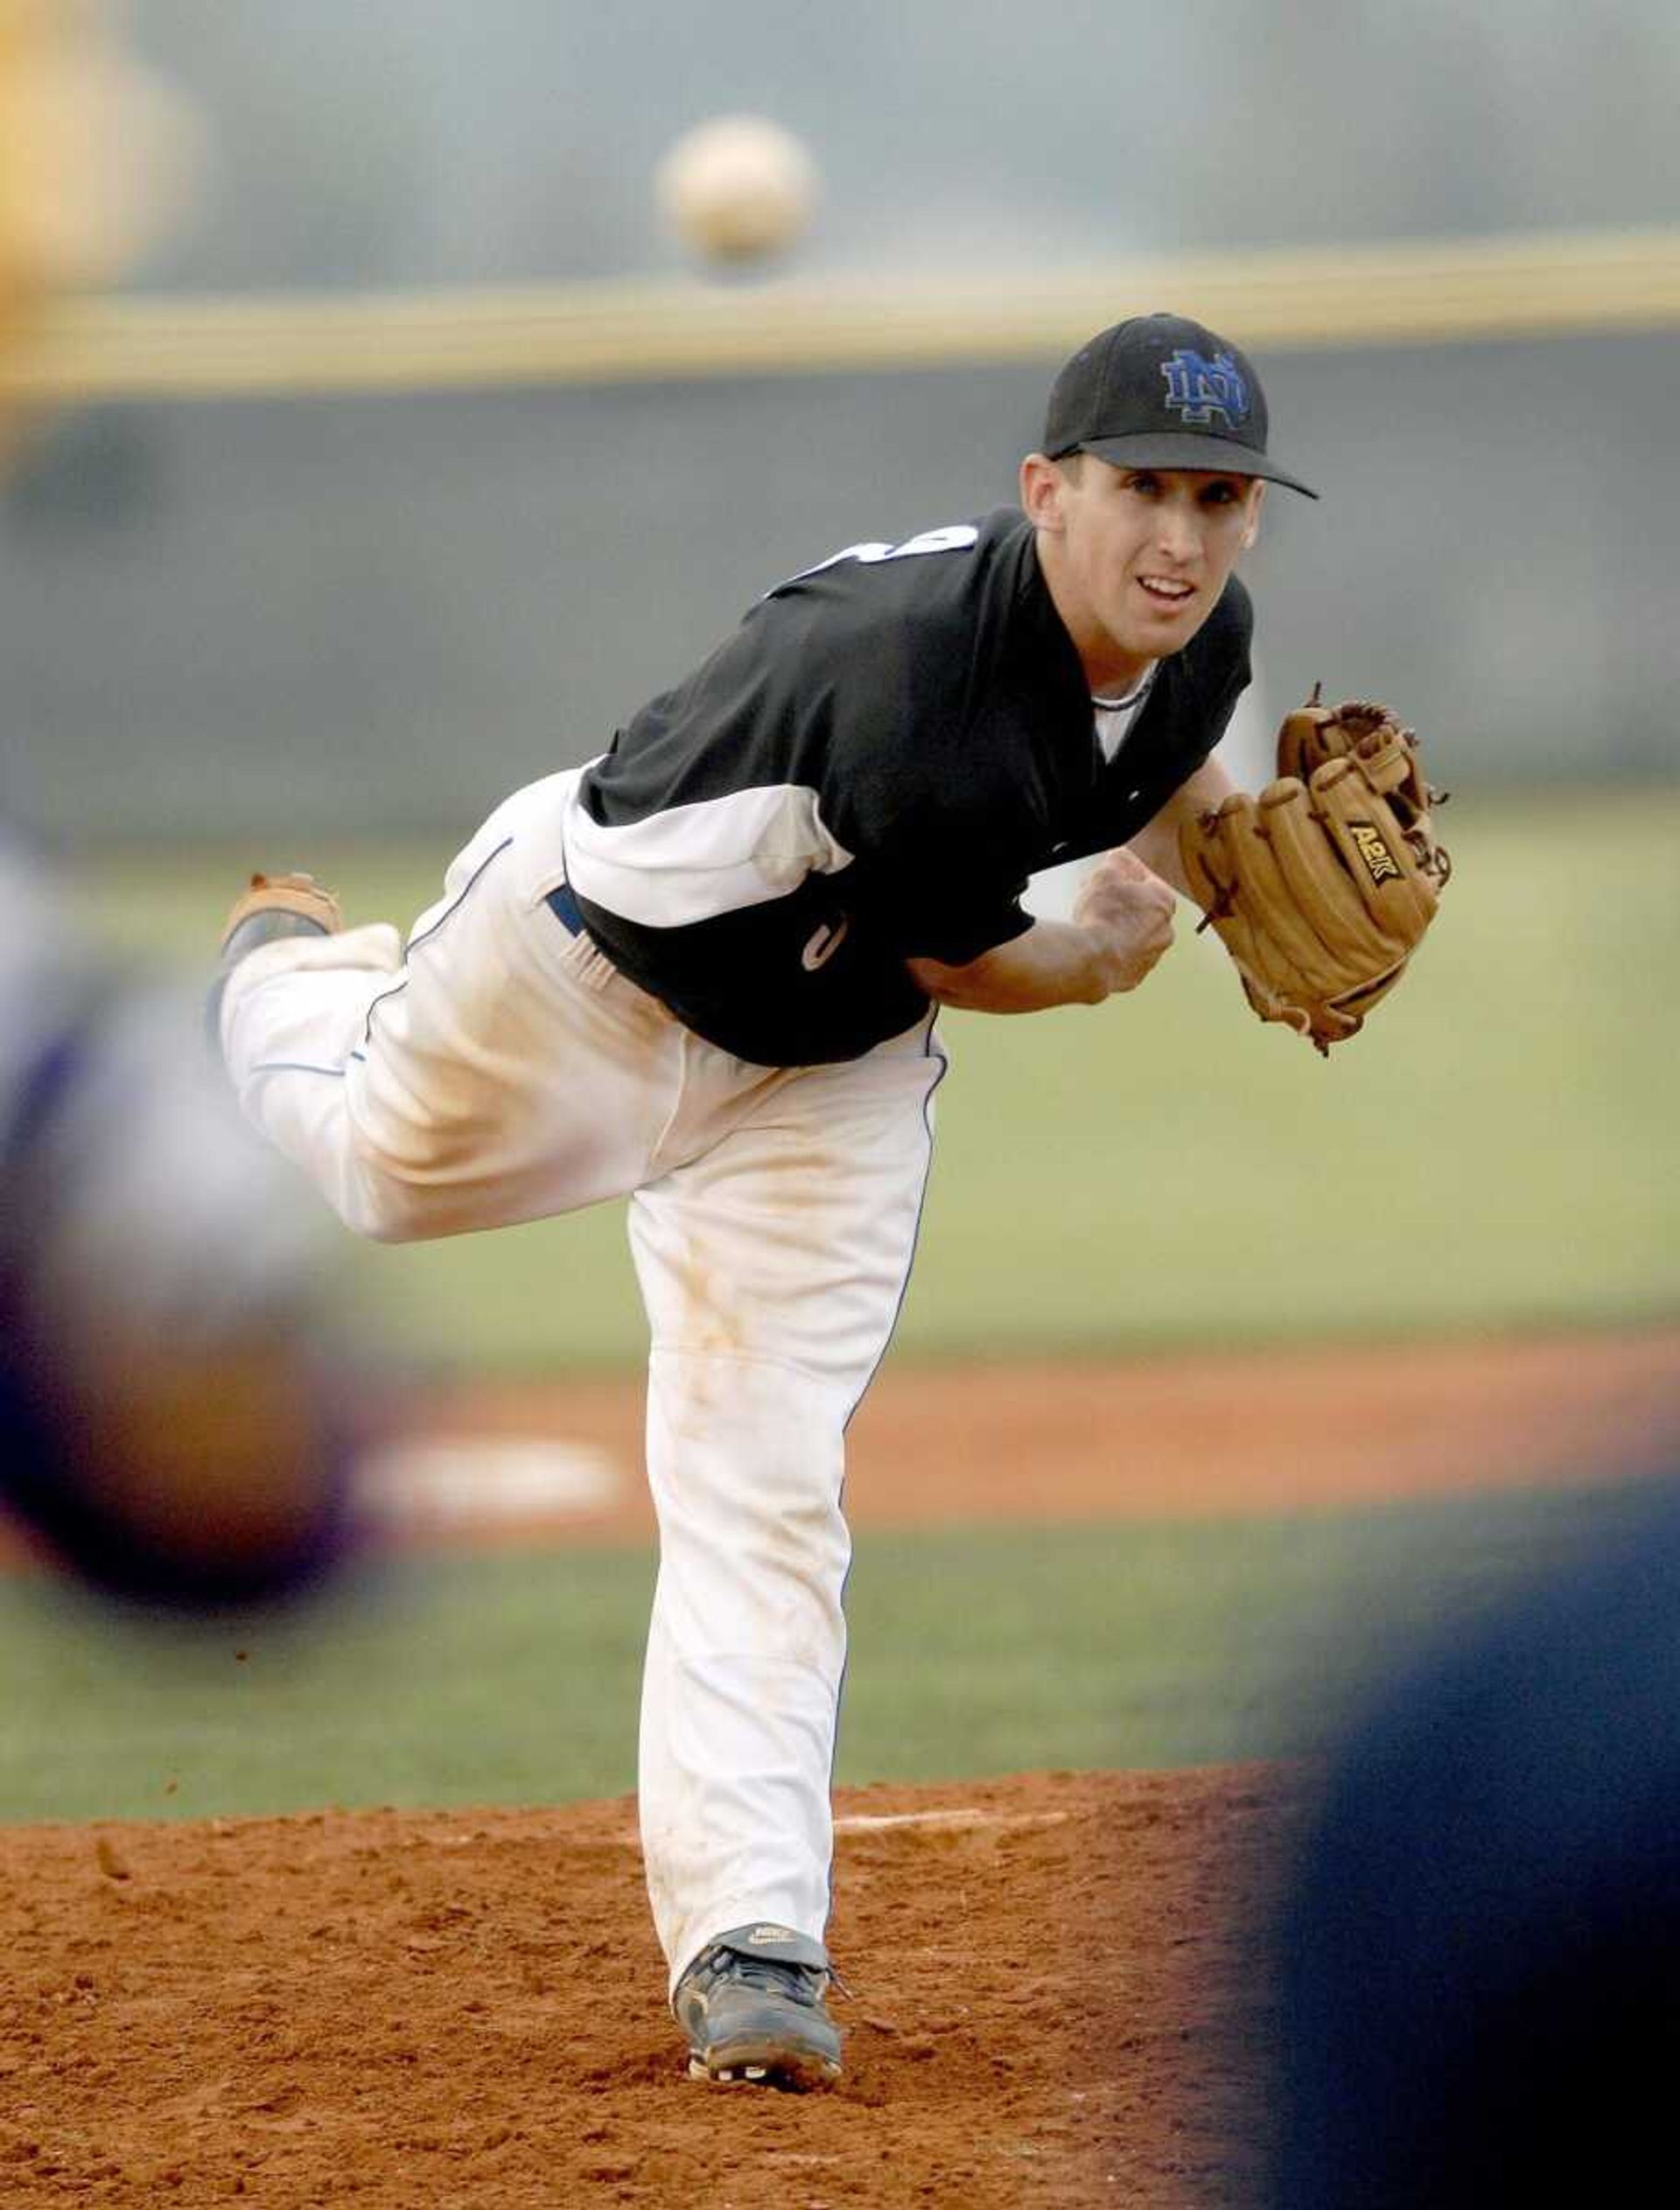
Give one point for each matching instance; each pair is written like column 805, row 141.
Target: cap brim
column 1191, row 450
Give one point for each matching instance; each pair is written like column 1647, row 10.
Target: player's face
column 1136, row 558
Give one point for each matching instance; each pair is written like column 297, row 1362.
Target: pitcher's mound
column 1053, row 2002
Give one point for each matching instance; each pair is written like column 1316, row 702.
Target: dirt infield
column 1051, row 2005
column 1054, row 1991
column 1179, row 1434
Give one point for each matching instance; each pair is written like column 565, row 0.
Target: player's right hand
column 1129, row 910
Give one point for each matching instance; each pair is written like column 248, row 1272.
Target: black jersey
column 867, row 771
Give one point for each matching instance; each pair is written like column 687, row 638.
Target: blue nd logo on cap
column 1198, row 389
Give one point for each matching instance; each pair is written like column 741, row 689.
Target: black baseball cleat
column 751, row 2006
column 270, row 907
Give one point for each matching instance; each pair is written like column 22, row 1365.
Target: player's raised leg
column 495, row 1071
column 772, row 1266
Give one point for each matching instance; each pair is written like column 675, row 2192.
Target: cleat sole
column 796, row 2070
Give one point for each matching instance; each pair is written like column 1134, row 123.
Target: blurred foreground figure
column 168, row 1423
column 98, row 157
column 1480, row 1969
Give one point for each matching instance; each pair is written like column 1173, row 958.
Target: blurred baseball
column 737, row 187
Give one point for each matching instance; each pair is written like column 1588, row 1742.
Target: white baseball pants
column 504, row 1071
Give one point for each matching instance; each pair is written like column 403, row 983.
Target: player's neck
column 1110, row 672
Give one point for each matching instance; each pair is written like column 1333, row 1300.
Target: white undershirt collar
column 1115, row 715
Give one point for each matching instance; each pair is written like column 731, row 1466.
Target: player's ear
column 1042, row 484
column 1256, row 499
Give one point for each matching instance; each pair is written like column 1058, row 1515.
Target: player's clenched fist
column 1130, row 909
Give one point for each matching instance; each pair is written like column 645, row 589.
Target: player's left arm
column 1157, row 843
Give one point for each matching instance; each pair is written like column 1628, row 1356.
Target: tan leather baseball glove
column 1322, row 887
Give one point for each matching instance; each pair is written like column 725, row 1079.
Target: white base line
column 965, row 1819
column 444, row 1483
column 877, row 1823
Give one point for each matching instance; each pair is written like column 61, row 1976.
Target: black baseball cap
column 1159, row 392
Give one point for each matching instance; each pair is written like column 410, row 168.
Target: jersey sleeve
column 961, row 808
column 943, row 913
column 952, row 852
column 951, row 703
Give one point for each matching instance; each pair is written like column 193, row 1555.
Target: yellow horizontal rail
column 1425, row 292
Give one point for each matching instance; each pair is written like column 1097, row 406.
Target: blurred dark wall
column 379, row 613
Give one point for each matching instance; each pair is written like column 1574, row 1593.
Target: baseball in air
column 736, row 188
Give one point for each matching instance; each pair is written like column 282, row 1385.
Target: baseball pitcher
column 704, row 972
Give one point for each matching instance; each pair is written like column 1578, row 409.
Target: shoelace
column 773, row 1978
column 810, row 1982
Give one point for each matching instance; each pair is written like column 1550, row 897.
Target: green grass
column 1498, row 1149
column 513, row 1678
